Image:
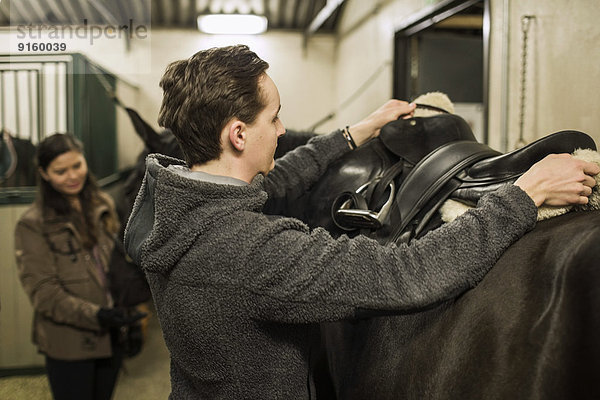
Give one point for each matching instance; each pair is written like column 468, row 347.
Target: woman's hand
column 370, row 127
column 559, row 180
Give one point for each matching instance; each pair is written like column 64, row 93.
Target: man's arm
column 310, row 277
column 299, row 169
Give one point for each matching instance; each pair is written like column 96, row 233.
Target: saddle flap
column 515, row 163
column 414, row 138
column 433, row 172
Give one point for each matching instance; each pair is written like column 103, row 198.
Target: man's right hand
column 370, row 127
column 559, row 180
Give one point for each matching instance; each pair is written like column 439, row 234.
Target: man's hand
column 370, row 126
column 559, row 180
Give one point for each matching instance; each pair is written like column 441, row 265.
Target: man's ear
column 237, row 134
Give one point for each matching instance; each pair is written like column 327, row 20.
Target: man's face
column 263, row 133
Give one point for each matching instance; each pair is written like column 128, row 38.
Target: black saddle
column 392, row 187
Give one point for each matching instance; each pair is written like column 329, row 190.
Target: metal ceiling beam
column 192, row 14
column 183, row 16
column 132, row 11
column 288, row 14
column 298, row 12
column 80, row 13
column 322, row 16
column 144, row 11
column 440, row 12
column 280, row 13
column 138, row 11
column 24, row 14
column 125, row 12
column 157, row 12
column 56, row 10
column 175, row 11
column 4, row 14
column 267, row 10
column 141, row 10
column 310, row 11
column 364, row 19
column 105, row 12
column 72, row 14
column 38, row 10
column 168, row 15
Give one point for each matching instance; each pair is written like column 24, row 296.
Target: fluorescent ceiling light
column 232, row 24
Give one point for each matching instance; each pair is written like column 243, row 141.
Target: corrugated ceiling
column 294, row 15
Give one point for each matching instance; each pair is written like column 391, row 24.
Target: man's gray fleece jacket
column 238, row 293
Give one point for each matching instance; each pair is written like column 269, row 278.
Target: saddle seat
column 414, row 138
column 482, row 177
column 466, row 171
column 379, row 164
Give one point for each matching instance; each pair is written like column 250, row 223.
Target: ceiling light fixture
column 232, row 24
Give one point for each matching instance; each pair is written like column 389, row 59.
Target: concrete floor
column 145, row 376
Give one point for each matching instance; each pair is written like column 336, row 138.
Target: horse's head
column 7, row 158
column 163, row 142
column 17, row 161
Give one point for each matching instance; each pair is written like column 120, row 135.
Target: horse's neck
column 8, row 157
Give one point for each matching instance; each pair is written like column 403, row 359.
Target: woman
column 63, row 244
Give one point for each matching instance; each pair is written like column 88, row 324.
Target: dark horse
column 17, row 167
column 529, row 330
column 164, row 142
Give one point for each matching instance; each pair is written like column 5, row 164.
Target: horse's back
column 528, row 330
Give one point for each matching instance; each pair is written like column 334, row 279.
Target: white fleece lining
column 451, row 209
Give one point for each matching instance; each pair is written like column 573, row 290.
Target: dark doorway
column 445, row 50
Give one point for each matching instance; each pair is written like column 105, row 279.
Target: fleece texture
column 239, row 294
column 451, row 209
column 437, row 99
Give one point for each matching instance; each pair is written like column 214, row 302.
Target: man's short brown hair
column 201, row 94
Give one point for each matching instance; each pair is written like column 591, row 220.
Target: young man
column 238, row 293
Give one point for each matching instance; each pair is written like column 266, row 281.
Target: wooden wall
column 16, row 313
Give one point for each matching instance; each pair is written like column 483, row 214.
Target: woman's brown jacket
column 64, row 282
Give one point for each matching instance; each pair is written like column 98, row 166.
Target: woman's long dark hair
column 89, row 197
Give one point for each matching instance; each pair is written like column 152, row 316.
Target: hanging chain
column 525, row 24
